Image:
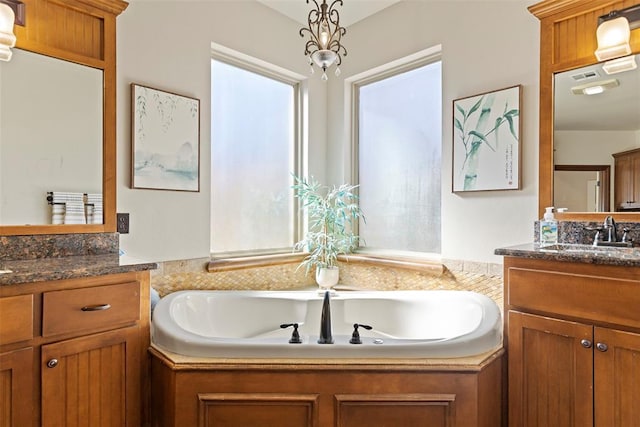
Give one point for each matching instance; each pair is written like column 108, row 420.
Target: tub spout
column 326, row 336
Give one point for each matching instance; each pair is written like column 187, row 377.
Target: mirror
column 588, row 130
column 51, row 134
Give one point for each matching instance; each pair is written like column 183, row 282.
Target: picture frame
column 165, row 140
column 487, row 141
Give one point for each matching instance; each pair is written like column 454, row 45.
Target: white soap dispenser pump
column 548, row 228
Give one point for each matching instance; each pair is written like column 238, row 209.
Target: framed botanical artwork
column 486, row 141
column 165, row 140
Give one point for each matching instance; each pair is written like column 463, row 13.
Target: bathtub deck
column 473, row 363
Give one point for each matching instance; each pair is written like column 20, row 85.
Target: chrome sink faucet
column 611, row 229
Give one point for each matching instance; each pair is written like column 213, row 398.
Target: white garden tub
column 406, row 324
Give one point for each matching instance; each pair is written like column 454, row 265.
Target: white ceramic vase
column 327, row 277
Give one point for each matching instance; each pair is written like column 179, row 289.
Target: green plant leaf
column 476, row 106
column 511, row 127
column 331, row 213
column 481, row 138
column 457, row 124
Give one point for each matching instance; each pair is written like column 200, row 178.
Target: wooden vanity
column 74, row 351
column 74, row 315
column 572, row 324
column 572, row 337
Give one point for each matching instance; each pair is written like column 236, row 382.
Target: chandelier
column 324, row 31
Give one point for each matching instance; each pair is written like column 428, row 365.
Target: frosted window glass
column 400, row 146
column 252, row 143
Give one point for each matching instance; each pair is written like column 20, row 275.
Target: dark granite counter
column 625, row 257
column 71, row 267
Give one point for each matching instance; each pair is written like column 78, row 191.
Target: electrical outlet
column 122, row 219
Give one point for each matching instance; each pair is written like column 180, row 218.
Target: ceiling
column 615, row 109
column 351, row 11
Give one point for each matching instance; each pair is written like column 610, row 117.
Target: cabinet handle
column 52, row 363
column 602, row 347
column 586, row 343
column 96, row 307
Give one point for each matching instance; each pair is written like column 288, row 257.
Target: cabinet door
column 623, row 181
column 16, row 388
column 635, row 178
column 550, row 372
column 617, row 378
column 92, row 381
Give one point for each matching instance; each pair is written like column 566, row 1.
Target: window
column 254, row 142
column 399, row 145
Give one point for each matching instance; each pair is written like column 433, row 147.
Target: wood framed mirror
column 568, row 42
column 81, row 32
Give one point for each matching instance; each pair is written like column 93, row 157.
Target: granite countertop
column 625, row 257
column 71, row 267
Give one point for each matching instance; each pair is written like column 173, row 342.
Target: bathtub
column 405, row 324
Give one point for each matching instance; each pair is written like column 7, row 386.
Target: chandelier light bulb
column 324, row 34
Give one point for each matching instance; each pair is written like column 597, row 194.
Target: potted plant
column 332, row 213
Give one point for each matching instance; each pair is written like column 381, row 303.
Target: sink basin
column 590, row 249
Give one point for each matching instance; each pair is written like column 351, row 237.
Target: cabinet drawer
column 86, row 309
column 595, row 298
column 16, row 319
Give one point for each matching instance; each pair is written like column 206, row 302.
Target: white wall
column 167, row 45
column 591, row 147
column 487, row 45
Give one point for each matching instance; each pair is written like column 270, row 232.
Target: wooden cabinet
column 92, row 380
column 617, row 378
column 190, row 391
column 627, row 180
column 16, row 397
column 573, row 343
column 83, row 361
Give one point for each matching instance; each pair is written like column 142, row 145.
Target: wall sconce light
column 620, row 65
column 324, row 46
column 614, row 31
column 11, row 12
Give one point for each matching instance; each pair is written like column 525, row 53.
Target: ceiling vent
column 592, row 74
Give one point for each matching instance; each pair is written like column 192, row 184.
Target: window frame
column 300, row 108
column 352, row 91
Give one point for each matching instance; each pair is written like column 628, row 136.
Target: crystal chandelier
column 324, row 31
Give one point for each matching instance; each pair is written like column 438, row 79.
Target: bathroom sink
column 589, row 249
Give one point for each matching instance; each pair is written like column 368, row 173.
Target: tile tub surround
column 57, row 245
column 577, row 231
column 192, row 274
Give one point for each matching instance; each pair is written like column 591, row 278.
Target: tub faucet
column 326, row 336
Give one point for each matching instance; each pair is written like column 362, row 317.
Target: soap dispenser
column 548, row 228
